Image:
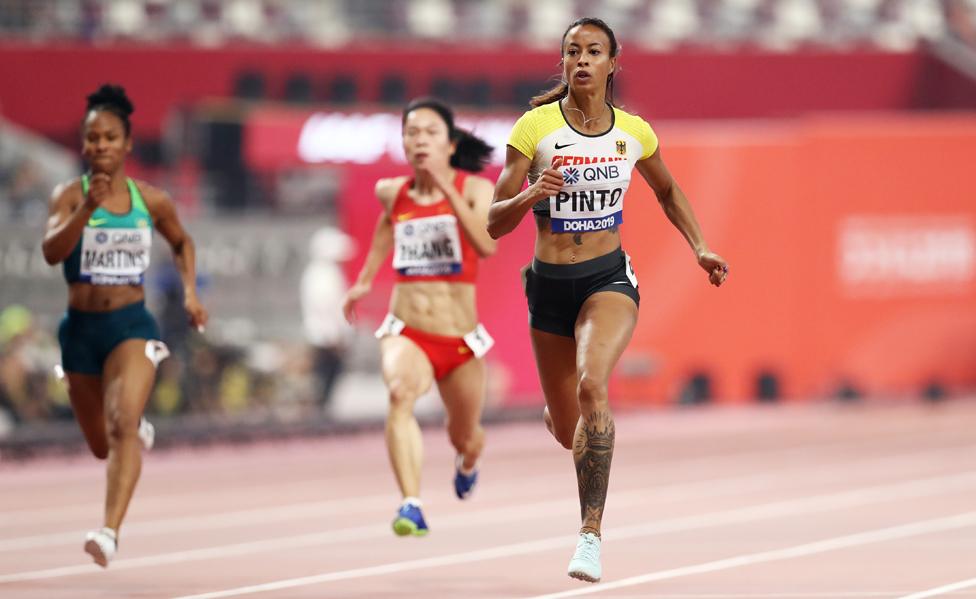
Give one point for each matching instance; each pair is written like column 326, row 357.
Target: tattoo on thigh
column 592, row 452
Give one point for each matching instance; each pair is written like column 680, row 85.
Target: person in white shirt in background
column 323, row 288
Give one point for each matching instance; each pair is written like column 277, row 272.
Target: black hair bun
column 113, row 96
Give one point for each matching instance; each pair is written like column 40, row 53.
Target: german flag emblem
column 621, row 147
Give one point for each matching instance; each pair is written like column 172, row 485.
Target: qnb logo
column 432, row 228
column 101, row 237
column 601, row 173
column 132, row 237
column 571, row 175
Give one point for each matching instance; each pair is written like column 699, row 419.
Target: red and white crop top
column 429, row 244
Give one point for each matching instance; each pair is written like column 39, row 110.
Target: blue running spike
column 410, row 521
column 463, row 483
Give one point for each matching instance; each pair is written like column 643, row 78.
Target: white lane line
column 787, row 595
column 828, row 502
column 678, row 492
column 715, row 488
column 897, row 464
column 248, row 517
column 825, row 502
column 880, row 535
column 863, row 538
column 847, row 447
column 942, row 590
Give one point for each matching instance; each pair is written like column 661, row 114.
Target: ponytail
column 471, row 153
column 555, row 94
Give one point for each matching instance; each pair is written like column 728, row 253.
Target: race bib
column 592, row 198
column 156, row 351
column 629, row 269
column 115, row 256
column 390, row 327
column 428, row 246
column 479, row 341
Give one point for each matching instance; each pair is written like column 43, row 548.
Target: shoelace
column 588, row 548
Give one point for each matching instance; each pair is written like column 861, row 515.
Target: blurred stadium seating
column 895, row 25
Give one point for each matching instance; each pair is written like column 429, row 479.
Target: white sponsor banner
column 362, row 138
column 906, row 254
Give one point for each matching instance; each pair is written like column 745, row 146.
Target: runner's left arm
column 168, row 224
column 678, row 210
column 473, row 218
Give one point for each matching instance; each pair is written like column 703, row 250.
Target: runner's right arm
column 379, row 249
column 66, row 221
column 510, row 204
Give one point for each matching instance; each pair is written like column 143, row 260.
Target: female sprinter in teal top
column 100, row 228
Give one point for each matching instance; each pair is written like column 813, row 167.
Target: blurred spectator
column 28, row 390
column 961, row 20
column 26, row 192
column 323, row 286
column 30, row 167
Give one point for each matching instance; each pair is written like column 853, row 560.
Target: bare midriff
column 572, row 248
column 438, row 307
column 86, row 297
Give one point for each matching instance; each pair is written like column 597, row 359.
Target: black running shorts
column 556, row 292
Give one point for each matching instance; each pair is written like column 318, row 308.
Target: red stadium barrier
column 37, row 83
column 852, row 245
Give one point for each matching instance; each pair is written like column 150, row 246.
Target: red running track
column 797, row 502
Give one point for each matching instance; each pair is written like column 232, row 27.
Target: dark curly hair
column 112, row 98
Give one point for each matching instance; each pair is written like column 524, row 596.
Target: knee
column 465, row 440
column 402, row 397
column 120, row 426
column 592, row 393
column 99, row 451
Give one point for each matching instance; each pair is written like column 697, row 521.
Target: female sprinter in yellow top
column 578, row 150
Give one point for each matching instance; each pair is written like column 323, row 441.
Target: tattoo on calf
column 593, row 452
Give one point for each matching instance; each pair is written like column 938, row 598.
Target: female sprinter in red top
column 435, row 223
column 100, row 227
column 578, row 151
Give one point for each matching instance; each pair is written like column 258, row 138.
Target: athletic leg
column 85, row 392
column 128, row 379
column 408, row 375
column 555, row 358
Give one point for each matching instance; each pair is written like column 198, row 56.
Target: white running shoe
column 147, row 433
column 101, row 545
column 585, row 564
